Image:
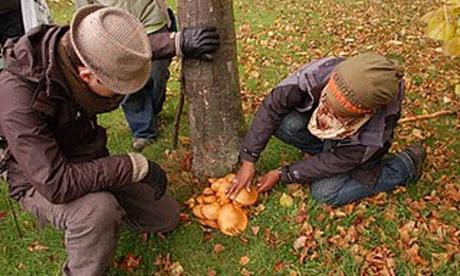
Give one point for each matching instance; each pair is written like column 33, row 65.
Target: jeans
column 142, row 107
column 342, row 188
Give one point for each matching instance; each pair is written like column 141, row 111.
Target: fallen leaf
column 144, row 236
column 413, row 255
column 2, row 215
column 184, row 217
column 379, row 261
column 255, row 230
column 259, row 209
column 286, row 200
column 292, row 188
column 36, row 247
column 211, row 272
column 218, row 248
column 300, row 242
column 244, row 260
column 246, row 272
column 279, row 265
column 176, row 269
column 130, row 262
column 207, row 236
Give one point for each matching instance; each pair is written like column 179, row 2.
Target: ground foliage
column 413, row 230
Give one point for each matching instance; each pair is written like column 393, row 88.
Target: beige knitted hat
column 113, row 45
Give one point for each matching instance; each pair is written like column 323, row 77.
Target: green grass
column 275, row 38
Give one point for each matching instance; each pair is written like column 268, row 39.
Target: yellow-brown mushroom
column 211, row 211
column 246, row 198
column 232, row 220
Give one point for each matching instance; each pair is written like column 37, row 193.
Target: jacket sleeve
column 39, row 157
column 275, row 106
column 162, row 45
column 324, row 164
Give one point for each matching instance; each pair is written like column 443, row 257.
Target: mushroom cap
column 229, row 177
column 247, row 198
column 211, row 211
column 209, row 199
column 208, row 191
column 200, row 199
column 208, row 222
column 232, row 220
column 197, row 211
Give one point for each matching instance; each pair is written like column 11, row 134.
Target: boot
column 418, row 155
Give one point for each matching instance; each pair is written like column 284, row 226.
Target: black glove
column 199, row 43
column 157, row 179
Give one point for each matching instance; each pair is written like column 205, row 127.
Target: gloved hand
column 199, row 43
column 157, row 179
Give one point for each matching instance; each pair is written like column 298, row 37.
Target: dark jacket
column 361, row 154
column 54, row 145
column 7, row 6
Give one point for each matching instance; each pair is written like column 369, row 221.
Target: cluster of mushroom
column 214, row 209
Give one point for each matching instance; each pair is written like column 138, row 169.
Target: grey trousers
column 91, row 222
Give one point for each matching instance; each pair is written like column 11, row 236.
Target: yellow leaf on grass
column 286, row 200
column 36, row 246
column 457, row 90
column 452, row 47
column 177, row 269
column 440, row 24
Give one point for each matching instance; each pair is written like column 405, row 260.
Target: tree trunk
column 212, row 89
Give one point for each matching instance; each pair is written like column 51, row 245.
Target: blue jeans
column 342, row 188
column 142, row 107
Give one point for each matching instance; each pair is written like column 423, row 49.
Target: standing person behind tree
column 142, row 108
column 10, row 20
column 55, row 81
column 342, row 114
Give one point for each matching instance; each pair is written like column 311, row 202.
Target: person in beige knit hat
column 342, row 115
column 55, row 81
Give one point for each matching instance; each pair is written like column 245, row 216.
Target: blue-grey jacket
column 360, row 155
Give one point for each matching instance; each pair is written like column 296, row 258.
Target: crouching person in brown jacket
column 54, row 83
column 342, row 114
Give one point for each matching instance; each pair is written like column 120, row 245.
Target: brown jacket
column 54, row 145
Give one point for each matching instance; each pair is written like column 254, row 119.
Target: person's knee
column 293, row 123
column 324, row 195
column 99, row 210
column 171, row 221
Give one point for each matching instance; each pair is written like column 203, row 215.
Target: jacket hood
column 32, row 57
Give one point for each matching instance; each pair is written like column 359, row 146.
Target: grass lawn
column 411, row 231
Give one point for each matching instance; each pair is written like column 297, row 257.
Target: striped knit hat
column 362, row 84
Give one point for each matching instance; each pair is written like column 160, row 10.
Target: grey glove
column 199, row 43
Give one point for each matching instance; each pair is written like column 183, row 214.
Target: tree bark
column 212, row 89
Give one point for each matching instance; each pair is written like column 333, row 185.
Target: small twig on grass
column 426, row 116
column 177, row 117
column 15, row 218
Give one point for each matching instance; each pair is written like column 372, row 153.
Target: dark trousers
column 11, row 25
column 92, row 221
